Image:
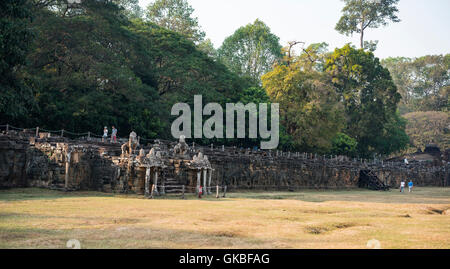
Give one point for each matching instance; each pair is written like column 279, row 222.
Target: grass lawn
column 38, row 218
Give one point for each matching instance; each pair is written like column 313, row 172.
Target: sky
column 424, row 28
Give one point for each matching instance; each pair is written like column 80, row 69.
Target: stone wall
column 290, row 173
column 41, row 162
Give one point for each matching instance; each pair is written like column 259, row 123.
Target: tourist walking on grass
column 402, row 186
column 410, row 186
column 113, row 135
column 105, row 134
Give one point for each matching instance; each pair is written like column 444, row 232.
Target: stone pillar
column 66, row 179
column 205, row 190
column 66, row 176
column 209, row 183
column 147, row 182
column 156, row 182
column 198, row 181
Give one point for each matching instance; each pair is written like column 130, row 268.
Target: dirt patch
column 320, row 229
column 312, row 211
column 12, row 236
column 125, row 221
column 316, row 229
column 439, row 211
column 229, row 234
column 344, row 225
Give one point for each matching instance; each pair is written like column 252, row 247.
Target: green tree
column 176, row 15
column 16, row 97
column 88, row 70
column 251, row 50
column 358, row 15
column 394, row 137
column 368, row 94
column 343, row 144
column 423, row 82
column 208, row 47
column 309, row 107
column 400, row 70
column 432, row 127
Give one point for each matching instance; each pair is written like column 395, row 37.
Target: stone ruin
column 160, row 167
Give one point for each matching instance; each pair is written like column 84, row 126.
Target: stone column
column 198, row 181
column 147, row 182
column 205, row 190
column 209, row 183
column 66, row 176
column 156, row 182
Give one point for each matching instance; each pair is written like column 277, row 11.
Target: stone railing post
column 224, row 191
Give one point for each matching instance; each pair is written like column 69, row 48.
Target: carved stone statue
column 129, row 147
column 154, row 159
column 200, row 161
column 182, row 147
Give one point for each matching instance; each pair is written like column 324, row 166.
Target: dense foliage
column 91, row 66
column 81, row 65
column 16, row 98
column 251, row 50
column 423, row 82
column 432, row 127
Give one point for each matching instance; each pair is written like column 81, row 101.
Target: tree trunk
column 362, row 38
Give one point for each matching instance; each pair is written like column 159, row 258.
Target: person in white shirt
column 402, row 186
column 105, row 134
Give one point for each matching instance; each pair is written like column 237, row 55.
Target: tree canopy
column 16, row 98
column 81, row 65
column 175, row 15
column 368, row 94
column 358, row 15
column 423, row 82
column 251, row 50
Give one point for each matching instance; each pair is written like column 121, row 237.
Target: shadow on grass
column 127, row 236
column 419, row 196
column 24, row 194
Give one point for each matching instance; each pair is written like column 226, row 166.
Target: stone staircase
column 369, row 180
column 172, row 185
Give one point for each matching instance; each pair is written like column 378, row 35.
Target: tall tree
column 424, row 82
column 369, row 96
column 176, row 15
column 309, row 108
column 251, row 50
column 15, row 40
column 358, row 15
